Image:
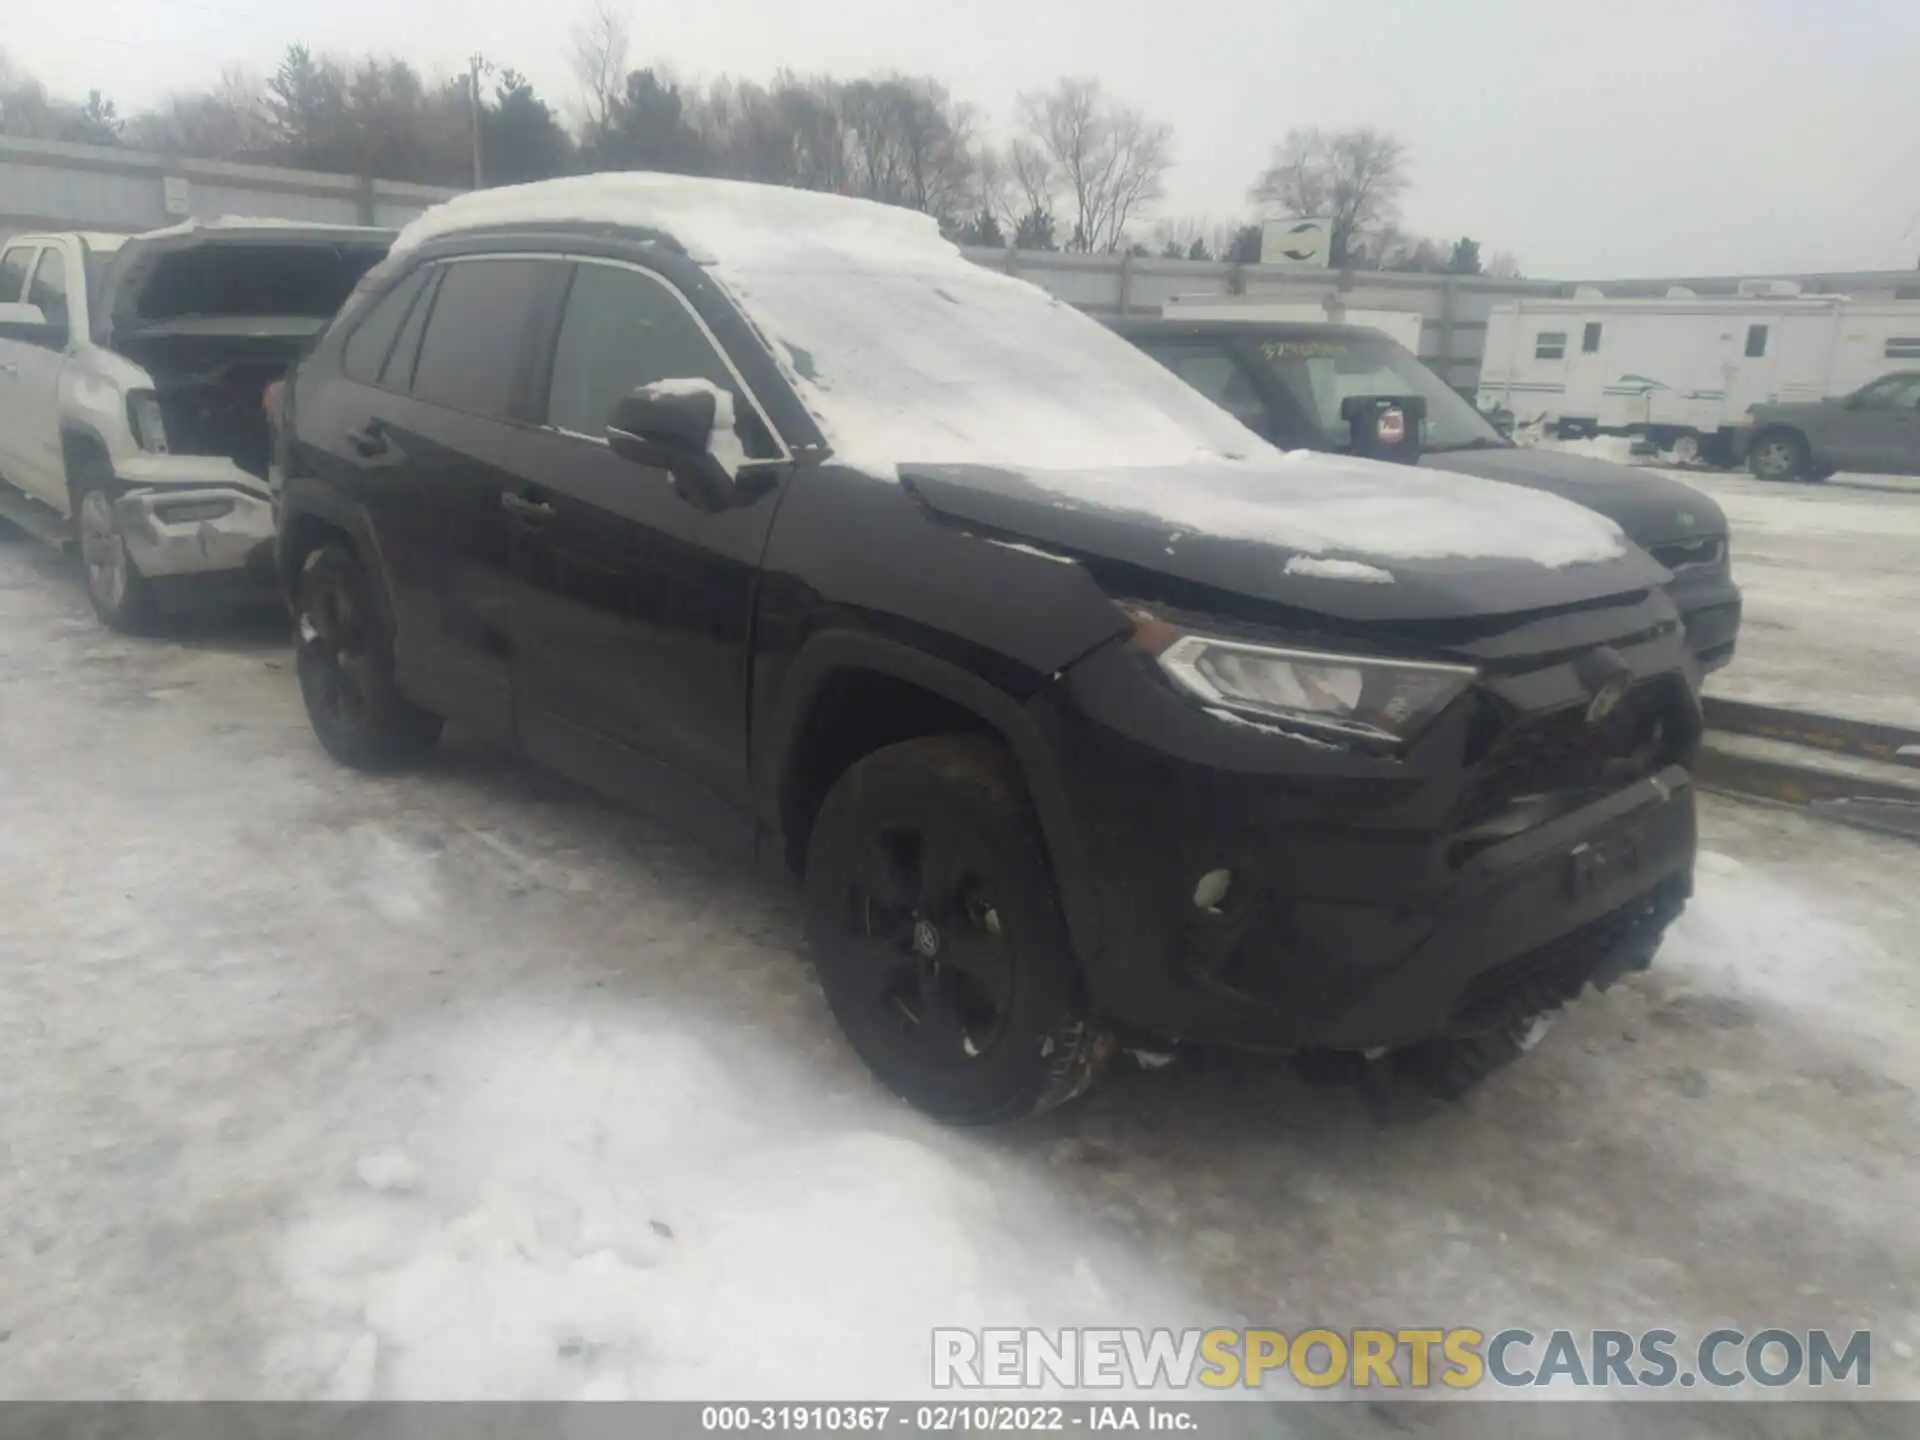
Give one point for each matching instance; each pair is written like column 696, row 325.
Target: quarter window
column 1550, row 345
column 398, row 374
column 624, row 329
column 1590, row 338
column 1756, row 341
column 372, row 339
column 1903, row 347
column 470, row 357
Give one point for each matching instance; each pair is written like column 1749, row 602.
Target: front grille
column 1678, row 555
column 1558, row 971
column 1559, row 751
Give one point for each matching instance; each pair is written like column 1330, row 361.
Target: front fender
column 828, row 652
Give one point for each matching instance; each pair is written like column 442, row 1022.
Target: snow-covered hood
column 1651, row 508
column 1353, row 539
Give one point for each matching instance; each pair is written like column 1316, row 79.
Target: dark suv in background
column 1289, row 381
column 712, row 495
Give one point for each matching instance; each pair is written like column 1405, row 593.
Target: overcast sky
column 1593, row 138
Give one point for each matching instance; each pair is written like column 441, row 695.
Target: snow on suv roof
column 716, row 221
column 905, row 352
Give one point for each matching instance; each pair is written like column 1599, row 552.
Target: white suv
column 133, row 374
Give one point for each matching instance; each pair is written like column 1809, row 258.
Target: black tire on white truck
column 120, row 594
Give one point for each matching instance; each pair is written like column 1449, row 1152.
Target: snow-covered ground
column 1831, row 578
column 464, row 1083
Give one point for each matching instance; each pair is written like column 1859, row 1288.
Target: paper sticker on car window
column 1311, row 349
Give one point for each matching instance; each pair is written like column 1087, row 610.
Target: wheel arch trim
column 302, row 500
column 832, row 652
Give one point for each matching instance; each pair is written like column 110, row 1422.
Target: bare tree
column 1191, row 237
column 601, row 39
column 1353, row 177
column 1502, row 266
column 1015, row 185
column 226, row 122
column 1107, row 159
column 908, row 143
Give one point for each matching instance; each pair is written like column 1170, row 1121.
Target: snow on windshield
column 904, row 350
column 908, row 353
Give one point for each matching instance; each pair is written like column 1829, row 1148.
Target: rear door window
column 624, row 328
column 372, row 339
column 14, row 265
column 48, row 288
column 473, row 354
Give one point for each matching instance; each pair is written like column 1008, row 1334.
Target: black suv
column 708, row 495
column 1288, row 381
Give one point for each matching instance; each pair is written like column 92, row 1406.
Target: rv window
column 1904, row 347
column 1550, row 345
column 1756, row 341
column 1590, row 339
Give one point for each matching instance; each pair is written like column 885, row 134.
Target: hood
column 203, row 273
column 1351, row 539
column 1649, row 507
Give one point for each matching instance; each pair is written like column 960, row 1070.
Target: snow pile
column 1351, row 570
column 1319, row 504
column 617, row 1205
column 1750, row 933
column 1617, row 449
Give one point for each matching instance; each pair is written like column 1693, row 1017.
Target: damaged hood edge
column 1024, row 507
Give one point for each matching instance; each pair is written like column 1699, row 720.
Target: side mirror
column 29, row 323
column 671, row 426
column 1385, row 427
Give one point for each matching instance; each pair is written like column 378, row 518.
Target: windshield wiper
column 1476, row 444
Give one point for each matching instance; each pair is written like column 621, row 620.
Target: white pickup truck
column 133, row 373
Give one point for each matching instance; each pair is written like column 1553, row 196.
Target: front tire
column 937, row 937
column 119, row 593
column 1451, row 1067
column 1780, row 455
column 345, row 664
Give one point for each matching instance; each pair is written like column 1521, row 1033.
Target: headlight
column 1357, row 696
column 149, row 425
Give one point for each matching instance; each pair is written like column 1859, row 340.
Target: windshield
column 1321, row 371
column 952, row 364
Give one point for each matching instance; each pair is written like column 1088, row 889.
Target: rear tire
column 345, row 663
column 1780, row 455
column 937, row 937
column 118, row 592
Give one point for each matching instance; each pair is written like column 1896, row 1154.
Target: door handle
column 373, row 443
column 532, row 511
column 7, row 367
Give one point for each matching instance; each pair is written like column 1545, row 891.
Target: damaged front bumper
column 193, row 515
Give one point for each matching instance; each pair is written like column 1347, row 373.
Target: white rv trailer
column 1400, row 325
column 1683, row 370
